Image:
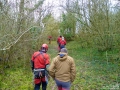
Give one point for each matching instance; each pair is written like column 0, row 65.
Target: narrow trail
column 91, row 74
column 53, row 51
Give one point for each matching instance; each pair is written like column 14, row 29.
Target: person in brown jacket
column 62, row 69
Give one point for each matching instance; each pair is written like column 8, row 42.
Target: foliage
column 92, row 72
column 96, row 19
column 93, row 26
column 67, row 26
column 51, row 27
column 20, row 35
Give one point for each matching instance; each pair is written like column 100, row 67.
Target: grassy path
column 91, row 74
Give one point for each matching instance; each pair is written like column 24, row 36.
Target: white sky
column 56, row 9
column 56, row 3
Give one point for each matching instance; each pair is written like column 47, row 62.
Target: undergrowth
column 92, row 73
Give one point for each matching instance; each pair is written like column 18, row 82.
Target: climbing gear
column 41, row 73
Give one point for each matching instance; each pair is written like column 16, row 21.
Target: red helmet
column 44, row 48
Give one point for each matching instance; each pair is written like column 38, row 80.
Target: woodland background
column 87, row 25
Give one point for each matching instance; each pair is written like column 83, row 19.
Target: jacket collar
column 62, row 56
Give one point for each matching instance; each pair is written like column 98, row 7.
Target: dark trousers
column 62, row 46
column 63, row 85
column 37, row 86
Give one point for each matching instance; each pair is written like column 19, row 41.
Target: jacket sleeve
column 32, row 65
column 52, row 69
column 73, row 71
column 47, row 59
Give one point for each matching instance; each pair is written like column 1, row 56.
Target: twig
column 10, row 45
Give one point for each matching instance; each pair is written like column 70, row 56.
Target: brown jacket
column 63, row 68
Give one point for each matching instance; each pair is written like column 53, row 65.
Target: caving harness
column 41, row 72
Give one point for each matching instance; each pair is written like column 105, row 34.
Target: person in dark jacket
column 63, row 70
column 39, row 63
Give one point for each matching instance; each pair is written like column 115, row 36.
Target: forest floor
column 92, row 74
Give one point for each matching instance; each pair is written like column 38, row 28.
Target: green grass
column 92, row 73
